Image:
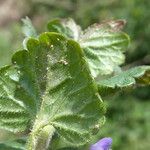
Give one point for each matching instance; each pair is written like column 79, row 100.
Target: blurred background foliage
column 128, row 116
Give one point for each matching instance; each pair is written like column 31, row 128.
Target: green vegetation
column 127, row 118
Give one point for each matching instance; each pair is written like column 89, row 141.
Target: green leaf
column 71, row 105
column 52, row 88
column 21, row 88
column 28, row 30
column 67, row 27
column 138, row 75
column 104, row 45
column 14, row 114
column 18, row 144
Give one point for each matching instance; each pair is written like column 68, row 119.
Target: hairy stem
column 40, row 138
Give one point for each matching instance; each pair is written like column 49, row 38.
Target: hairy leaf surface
column 138, row 75
column 103, row 44
column 22, row 85
column 57, row 71
column 18, row 144
column 14, row 115
column 67, row 27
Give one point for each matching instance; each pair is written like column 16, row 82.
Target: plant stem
column 40, row 138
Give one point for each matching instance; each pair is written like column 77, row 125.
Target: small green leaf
column 67, row 27
column 138, row 75
column 28, row 30
column 104, row 45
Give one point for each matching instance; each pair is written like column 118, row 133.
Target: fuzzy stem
column 40, row 138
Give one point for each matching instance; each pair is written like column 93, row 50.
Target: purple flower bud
column 103, row 144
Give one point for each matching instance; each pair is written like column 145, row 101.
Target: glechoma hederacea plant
column 50, row 96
